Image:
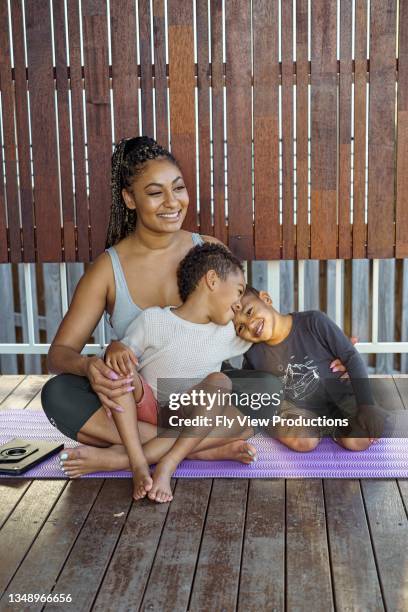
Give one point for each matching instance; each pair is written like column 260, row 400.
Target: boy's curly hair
column 199, row 260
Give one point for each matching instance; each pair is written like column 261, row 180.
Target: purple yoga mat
column 388, row 458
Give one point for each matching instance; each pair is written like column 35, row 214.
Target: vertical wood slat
column 182, row 84
column 217, row 100
column 64, row 136
column 43, row 128
column 22, row 126
column 344, row 187
column 98, row 116
column 239, row 127
column 360, row 132
column 324, row 130
column 288, row 241
column 160, row 73
column 302, row 103
column 203, row 91
column 78, row 131
column 381, row 155
column 10, row 159
column 124, row 69
column 402, row 135
column 146, row 73
column 266, row 129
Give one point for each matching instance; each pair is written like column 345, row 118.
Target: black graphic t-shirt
column 303, row 360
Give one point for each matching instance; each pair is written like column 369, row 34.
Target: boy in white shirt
column 181, row 345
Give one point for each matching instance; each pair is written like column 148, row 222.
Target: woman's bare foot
column 237, row 450
column 161, row 489
column 142, row 481
column 76, row 462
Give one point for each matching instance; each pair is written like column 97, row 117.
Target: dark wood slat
column 360, row 99
column 324, row 131
column 84, row 570
column 302, row 103
column 98, row 118
column 203, row 87
column 288, row 229
column 345, row 242
column 401, row 382
column 217, row 574
column 43, row 130
column 402, row 135
column 124, row 69
column 266, row 129
column 64, row 136
column 389, row 532
column 10, row 159
column 3, row 220
column 160, row 73
column 307, row 561
column 23, row 525
column 136, row 551
column 239, row 127
column 11, row 491
column 262, row 582
column 217, row 83
column 46, row 557
column 173, row 569
column 355, row 580
column 182, row 83
column 146, row 78
column 381, row 138
column 22, row 113
column 78, row 122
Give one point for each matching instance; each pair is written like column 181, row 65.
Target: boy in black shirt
column 298, row 348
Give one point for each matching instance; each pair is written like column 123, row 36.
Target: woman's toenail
column 64, row 456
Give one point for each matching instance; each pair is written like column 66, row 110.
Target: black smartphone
column 18, row 455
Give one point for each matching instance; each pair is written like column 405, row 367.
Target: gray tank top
column 125, row 310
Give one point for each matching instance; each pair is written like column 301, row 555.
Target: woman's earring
column 127, row 216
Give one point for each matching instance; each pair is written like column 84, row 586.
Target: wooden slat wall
column 187, row 101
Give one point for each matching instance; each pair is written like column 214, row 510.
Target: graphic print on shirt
column 300, row 380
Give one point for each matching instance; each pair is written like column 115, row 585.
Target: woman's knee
column 301, row 445
column 355, row 444
column 218, row 380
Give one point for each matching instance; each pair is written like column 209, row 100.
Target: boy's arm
column 340, row 346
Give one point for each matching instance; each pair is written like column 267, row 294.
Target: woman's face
column 159, row 196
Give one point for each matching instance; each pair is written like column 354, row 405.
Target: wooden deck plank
column 23, row 525
column 354, row 574
column 401, row 382
column 90, row 556
column 217, row 574
column 389, row 532
column 11, row 491
column 24, row 393
column 35, row 403
column 8, row 384
column 173, row 568
column 262, row 587
column 136, row 551
column 41, row 566
column 386, row 393
column 307, row 556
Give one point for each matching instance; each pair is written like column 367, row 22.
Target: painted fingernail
column 130, row 389
column 64, row 456
column 114, row 376
column 119, row 409
column 250, row 453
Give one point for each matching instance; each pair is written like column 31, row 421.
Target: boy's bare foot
column 142, row 481
column 76, row 462
column 237, row 450
column 161, row 489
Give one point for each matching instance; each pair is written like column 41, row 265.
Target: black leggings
column 69, row 401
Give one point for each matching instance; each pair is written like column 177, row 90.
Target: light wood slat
column 8, row 383
column 24, row 393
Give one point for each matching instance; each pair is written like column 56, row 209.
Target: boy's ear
column 211, row 278
column 265, row 297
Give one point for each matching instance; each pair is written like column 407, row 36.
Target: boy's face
column 254, row 320
column 226, row 296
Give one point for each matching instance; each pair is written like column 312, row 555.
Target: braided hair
column 128, row 159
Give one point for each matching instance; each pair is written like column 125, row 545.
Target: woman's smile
column 171, row 216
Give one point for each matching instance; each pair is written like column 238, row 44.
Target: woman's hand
column 338, row 366
column 120, row 358
column 107, row 384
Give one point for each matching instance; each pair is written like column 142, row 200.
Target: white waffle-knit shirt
column 178, row 352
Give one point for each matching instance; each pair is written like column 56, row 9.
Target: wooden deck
column 221, row 545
